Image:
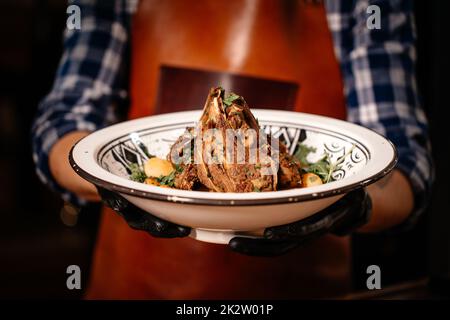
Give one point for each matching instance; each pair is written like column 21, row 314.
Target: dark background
column 37, row 242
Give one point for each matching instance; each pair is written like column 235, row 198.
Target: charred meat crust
column 222, row 175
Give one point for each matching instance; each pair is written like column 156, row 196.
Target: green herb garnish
column 178, row 168
column 230, row 98
column 169, row 180
column 255, row 189
column 323, row 167
column 137, row 174
column 302, row 153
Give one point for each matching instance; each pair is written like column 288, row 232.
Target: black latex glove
column 341, row 218
column 139, row 219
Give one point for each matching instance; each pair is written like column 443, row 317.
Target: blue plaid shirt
column 377, row 67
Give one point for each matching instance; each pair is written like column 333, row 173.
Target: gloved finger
column 162, row 230
column 112, row 199
column 299, row 231
column 261, row 247
column 308, row 228
column 139, row 219
column 134, row 216
column 321, row 222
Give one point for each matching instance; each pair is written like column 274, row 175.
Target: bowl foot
column 222, row 236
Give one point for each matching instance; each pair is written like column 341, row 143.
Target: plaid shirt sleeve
column 377, row 66
column 85, row 85
column 380, row 85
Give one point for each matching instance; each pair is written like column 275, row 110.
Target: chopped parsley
column 137, row 174
column 230, row 98
column 323, row 167
column 302, row 153
column 169, row 180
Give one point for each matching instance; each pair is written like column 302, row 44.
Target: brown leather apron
column 179, row 49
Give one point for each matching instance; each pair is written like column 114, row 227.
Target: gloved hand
column 139, row 219
column 341, row 218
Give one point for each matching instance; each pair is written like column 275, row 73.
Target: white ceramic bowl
column 103, row 157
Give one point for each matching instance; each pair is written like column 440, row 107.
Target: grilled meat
column 230, row 164
column 227, row 168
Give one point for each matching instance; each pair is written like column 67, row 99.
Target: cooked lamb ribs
column 234, row 167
